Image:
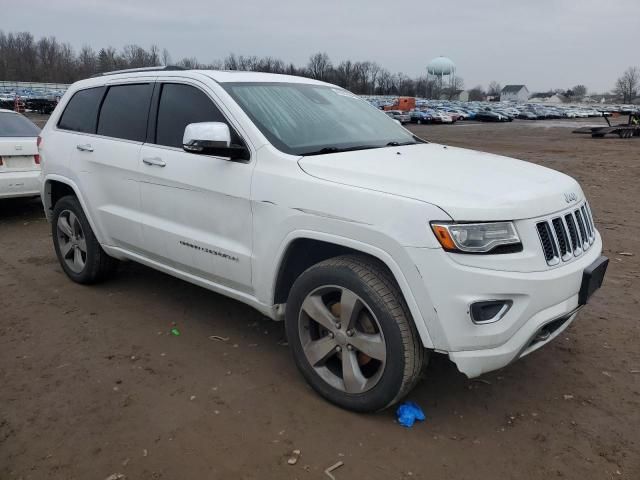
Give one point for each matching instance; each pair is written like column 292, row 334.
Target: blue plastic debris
column 408, row 413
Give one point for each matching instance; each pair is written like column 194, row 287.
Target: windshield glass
column 306, row 119
column 15, row 125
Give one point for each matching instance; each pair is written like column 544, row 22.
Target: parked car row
column 402, row 117
column 507, row 111
column 446, row 111
column 36, row 100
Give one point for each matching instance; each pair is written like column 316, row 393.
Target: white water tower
column 443, row 69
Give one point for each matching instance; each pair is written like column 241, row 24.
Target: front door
column 196, row 208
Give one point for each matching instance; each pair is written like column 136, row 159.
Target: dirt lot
column 92, row 384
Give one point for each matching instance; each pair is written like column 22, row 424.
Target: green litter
column 175, row 332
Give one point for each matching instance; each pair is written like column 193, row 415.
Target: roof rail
column 166, row 68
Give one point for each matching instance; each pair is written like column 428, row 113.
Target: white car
column 19, row 158
column 300, row 199
column 441, row 117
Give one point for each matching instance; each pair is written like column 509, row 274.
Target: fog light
column 489, row 311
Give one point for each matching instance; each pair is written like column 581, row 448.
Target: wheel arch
column 55, row 187
column 304, row 249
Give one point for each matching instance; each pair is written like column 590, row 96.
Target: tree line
column 25, row 58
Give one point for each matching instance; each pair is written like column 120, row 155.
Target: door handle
column 157, row 161
column 85, row 148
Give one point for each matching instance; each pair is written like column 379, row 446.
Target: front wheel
column 352, row 335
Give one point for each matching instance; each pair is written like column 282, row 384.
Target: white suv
column 302, row 200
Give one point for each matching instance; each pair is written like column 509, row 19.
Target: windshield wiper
column 400, row 144
column 326, row 150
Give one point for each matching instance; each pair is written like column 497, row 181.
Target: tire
column 91, row 265
column 381, row 325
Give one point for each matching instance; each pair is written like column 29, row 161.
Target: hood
column 468, row 185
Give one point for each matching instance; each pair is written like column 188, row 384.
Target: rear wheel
column 79, row 253
column 351, row 334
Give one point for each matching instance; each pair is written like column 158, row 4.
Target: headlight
column 476, row 237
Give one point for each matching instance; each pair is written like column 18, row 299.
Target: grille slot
column 586, row 213
column 561, row 237
column 568, row 236
column 548, row 243
column 573, row 234
column 582, row 229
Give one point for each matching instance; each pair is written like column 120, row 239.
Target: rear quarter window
column 125, row 111
column 81, row 113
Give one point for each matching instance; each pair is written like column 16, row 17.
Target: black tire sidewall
column 390, row 383
column 73, row 205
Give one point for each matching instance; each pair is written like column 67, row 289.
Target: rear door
column 196, row 208
column 106, row 161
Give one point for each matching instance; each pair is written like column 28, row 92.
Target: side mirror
column 397, row 121
column 212, row 138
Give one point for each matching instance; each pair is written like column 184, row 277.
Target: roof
column 513, row 88
column 225, row 76
column 220, row 76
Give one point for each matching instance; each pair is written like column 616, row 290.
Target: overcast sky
column 541, row 43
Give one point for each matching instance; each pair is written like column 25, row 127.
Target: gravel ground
column 93, row 384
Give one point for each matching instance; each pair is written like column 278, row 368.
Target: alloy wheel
column 342, row 339
column 71, row 241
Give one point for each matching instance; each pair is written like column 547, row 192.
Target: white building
column 514, row 93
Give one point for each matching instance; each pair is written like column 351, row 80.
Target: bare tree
column 319, row 66
column 216, row 65
column 107, row 59
column 231, row 62
column 454, row 88
column 627, row 85
column 87, row 62
column 166, row 57
column 154, row 56
column 433, row 88
column 477, row 94
column 578, row 91
column 188, row 63
column 385, row 82
column 421, row 85
column 494, row 89
column 344, row 74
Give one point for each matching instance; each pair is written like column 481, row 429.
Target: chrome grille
column 567, row 236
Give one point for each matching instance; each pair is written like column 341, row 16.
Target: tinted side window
column 179, row 106
column 124, row 112
column 81, row 113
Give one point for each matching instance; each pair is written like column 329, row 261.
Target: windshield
column 306, row 119
column 15, row 125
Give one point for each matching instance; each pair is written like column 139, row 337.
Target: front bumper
column 539, row 298
column 20, row 184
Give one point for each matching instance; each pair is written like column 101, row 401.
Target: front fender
column 399, row 263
